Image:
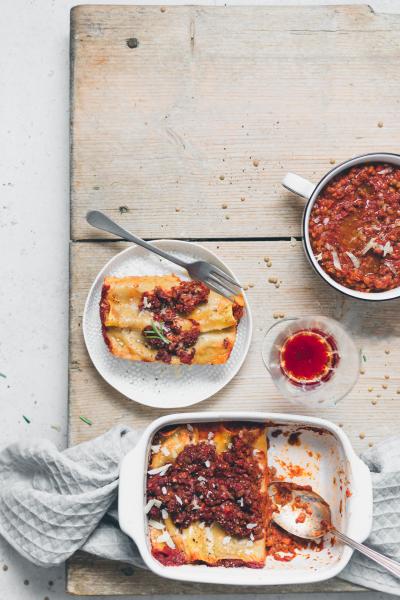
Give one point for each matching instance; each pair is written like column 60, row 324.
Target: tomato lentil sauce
column 167, row 306
column 205, row 486
column 354, row 228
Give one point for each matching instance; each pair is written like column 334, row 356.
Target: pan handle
column 298, row 185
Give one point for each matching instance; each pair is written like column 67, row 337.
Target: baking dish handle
column 361, row 502
column 131, row 494
column 298, row 185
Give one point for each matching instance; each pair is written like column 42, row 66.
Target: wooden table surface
column 186, row 131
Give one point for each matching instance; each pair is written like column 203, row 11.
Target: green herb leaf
column 85, row 420
column 156, row 332
column 2, row 375
column 26, row 419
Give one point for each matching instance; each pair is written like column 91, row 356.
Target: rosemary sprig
column 26, row 419
column 156, row 332
column 85, row 420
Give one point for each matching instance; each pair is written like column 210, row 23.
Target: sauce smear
column 308, row 357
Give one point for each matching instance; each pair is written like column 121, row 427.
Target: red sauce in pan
column 354, row 228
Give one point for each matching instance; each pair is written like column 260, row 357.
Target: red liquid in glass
column 308, row 357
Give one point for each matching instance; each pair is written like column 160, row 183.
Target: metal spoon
column 305, row 514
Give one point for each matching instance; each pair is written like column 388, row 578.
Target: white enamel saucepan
column 304, row 188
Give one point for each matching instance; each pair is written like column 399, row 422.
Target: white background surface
column 34, row 234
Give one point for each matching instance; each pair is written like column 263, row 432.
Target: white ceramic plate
column 156, row 384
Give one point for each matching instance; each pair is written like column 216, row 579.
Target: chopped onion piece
column 318, row 257
column 251, row 525
column 164, row 514
column 201, row 478
column 208, row 464
column 164, row 490
column 156, row 448
column 354, row 259
column 178, row 499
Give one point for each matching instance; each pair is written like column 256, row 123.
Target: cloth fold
column 53, row 503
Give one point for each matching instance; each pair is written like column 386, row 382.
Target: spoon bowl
column 301, row 511
column 305, row 514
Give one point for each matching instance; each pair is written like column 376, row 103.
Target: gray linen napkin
column 53, row 503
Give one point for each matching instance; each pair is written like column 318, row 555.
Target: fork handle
column 387, row 563
column 101, row 221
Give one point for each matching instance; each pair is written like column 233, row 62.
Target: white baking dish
column 329, row 463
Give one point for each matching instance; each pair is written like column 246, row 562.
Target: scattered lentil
column 177, row 210
column 163, row 9
column 222, row 177
column 387, row 351
column 272, row 280
column 380, row 123
column 362, row 372
column 387, row 376
column 332, row 161
column 361, row 435
column 370, row 389
column 242, row 199
column 224, row 206
column 227, row 217
column 256, row 162
column 251, row 285
column 384, row 386
column 374, row 402
column 370, row 444
column 5, row 567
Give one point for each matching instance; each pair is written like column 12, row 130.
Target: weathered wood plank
column 177, row 122
column 90, row 576
column 375, row 327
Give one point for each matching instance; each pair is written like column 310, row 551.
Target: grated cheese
column 208, row 464
column 165, row 451
column 164, row 490
column 354, row 259
column 156, row 448
column 226, row 540
column 160, row 470
column 251, row 525
column 178, row 499
column 150, row 504
column 165, row 537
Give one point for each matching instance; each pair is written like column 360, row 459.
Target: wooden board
column 177, row 123
column 375, row 328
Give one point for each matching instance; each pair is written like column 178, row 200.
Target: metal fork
column 212, row 276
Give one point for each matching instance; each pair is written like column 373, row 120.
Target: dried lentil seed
column 361, row 435
column 256, row 162
column 380, row 123
column 272, row 280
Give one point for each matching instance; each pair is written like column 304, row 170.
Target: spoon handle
column 389, row 564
